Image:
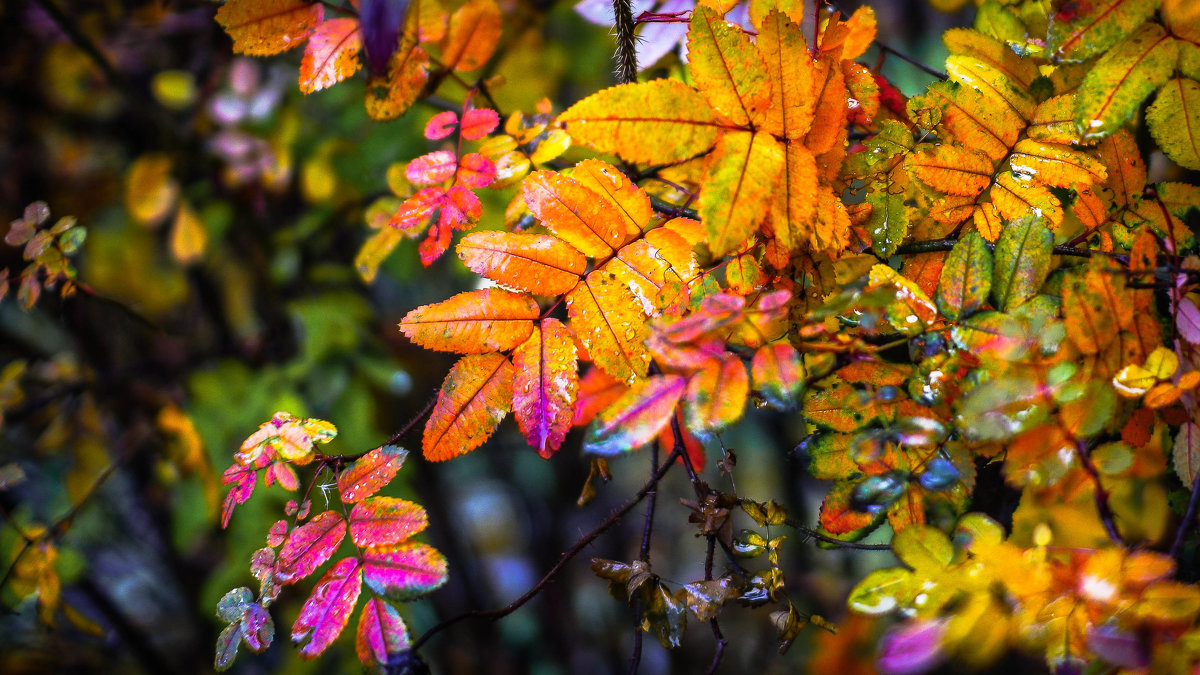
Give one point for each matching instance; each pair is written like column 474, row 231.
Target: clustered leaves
column 47, row 249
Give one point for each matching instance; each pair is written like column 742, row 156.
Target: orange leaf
column 832, row 229
column 266, row 27
column 727, row 69
column 1015, row 198
column 1126, row 170
column 838, row 517
column 741, row 175
column 861, row 29
column 475, row 396
column 579, row 216
column 654, row 268
column 474, row 32
column 545, row 383
column 608, row 321
column 536, row 263
column 597, row 391
column 611, row 185
column 790, row 67
column 389, row 97
column 795, row 201
column 972, row 118
column 716, row 396
column 829, row 91
column 654, row 122
column 473, row 322
column 637, row 417
column 1056, row 165
column 331, row 55
column 952, row 169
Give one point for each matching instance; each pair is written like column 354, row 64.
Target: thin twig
column 1102, row 506
column 635, row 658
column 1189, row 518
column 672, row 210
column 813, row 534
column 911, row 61
column 936, row 245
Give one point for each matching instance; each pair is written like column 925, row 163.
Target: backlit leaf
column 610, row 184
column 994, row 84
column 1018, row 196
column 545, row 383
column 795, row 202
column 1174, row 120
column 1056, row 165
column 790, row 69
column 727, row 69
column 740, row 178
column 778, row 374
column 636, row 417
column 654, row 268
column 405, row 571
column 652, row 122
column 536, row 263
column 432, row 168
column 390, row 96
column 310, row 545
column 328, row 609
column 1123, row 78
column 829, row 121
column 1126, row 168
column 474, row 32
column 266, row 27
column 923, row 547
column 475, row 396
column 881, row 591
column 331, row 55
column 952, row 169
column 607, row 319
column 473, row 322
column 716, row 396
column 975, row 45
column 579, row 216
column 966, row 278
column 1022, row 261
column 478, row 123
column 1078, row 31
column 370, row 472
column 378, row 521
column 1186, row 454
column 381, row 633
column 972, row 118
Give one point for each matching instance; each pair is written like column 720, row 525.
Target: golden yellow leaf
column 993, row 82
column 727, row 69
column 189, row 237
column 608, row 321
column 576, row 214
column 150, row 190
column 829, row 92
column 1056, row 165
column 972, row 118
column 536, row 263
column 1015, row 198
column 474, row 32
column 795, row 201
column 1174, row 120
column 266, row 27
column 790, row 68
column 741, row 176
column 613, row 186
column 391, row 96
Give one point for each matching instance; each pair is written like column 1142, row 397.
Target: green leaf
column 922, row 547
column 1022, row 261
column 966, row 278
column 1080, row 30
column 881, row 591
column 1174, row 121
column 1116, row 86
column 889, row 221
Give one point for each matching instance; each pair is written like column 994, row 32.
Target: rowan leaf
column 881, row 591
column 1095, row 308
column 741, row 176
column 576, row 214
column 889, row 221
column 1017, row 196
column 1079, row 31
column 477, row 123
column 1185, row 454
column 243, row 479
column 331, row 54
column 654, row 122
column 993, row 83
column 1054, row 122
column 794, row 208
column 973, row 44
column 970, row 117
column 778, row 374
column 473, row 35
column 1115, row 87
column 829, row 119
column 789, row 67
column 405, row 571
column 923, row 548
column 545, row 384
column 728, row 71
column 309, row 546
column 636, row 417
column 966, row 278
column 841, row 519
column 607, row 182
column 432, row 168
column 475, row 396
column 328, row 609
column 952, row 169
column 390, row 96
column 382, row 634
column 266, row 27
column 379, row 521
column 473, row 322
column 654, row 268
column 607, row 319
column 1022, row 261
column 1056, row 165
column 1174, row 121
column 716, row 396
column 537, row 263
column 369, row 473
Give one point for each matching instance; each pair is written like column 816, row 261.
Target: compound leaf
column 328, row 609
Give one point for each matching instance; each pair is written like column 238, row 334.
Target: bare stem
column 626, row 55
column 1189, row 518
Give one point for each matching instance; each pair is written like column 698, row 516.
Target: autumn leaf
column 789, row 66
column 1123, row 78
column 309, row 546
column 636, row 417
column 1174, row 120
column 390, row 96
column 266, row 27
column 952, row 169
column 328, row 609
column 536, row 263
column 369, row 473
column 716, row 396
column 966, row 278
column 379, row 521
column 381, row 633
column 1080, row 31
column 545, row 385
column 473, row 322
column 1022, row 261
column 578, row 216
column 331, row 55
column 741, row 175
column 727, row 69
column 793, row 210
column 476, row 394
column 1186, row 454
column 404, row 571
column 607, row 319
column 474, row 32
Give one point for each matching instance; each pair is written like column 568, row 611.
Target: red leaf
column 478, row 123
column 328, row 609
column 381, row 633
column 636, row 418
column 597, row 391
column 441, row 125
column 242, row 478
column 405, row 571
column 432, row 168
column 476, row 171
column 309, row 546
column 378, row 521
column 544, row 386
column 415, row 212
column 370, row 473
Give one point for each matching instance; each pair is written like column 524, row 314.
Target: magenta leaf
column 441, row 125
column 258, row 628
column 277, row 533
column 1187, row 320
column 262, row 567
column 328, row 609
column 435, row 167
column 379, row 521
column 308, row 546
column 370, row 473
column 911, row 648
column 242, row 478
column 404, row 571
column 381, row 633
column 478, row 123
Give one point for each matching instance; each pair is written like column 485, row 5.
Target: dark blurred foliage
column 223, row 212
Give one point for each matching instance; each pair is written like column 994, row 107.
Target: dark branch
column 1184, row 527
column 626, row 55
column 813, row 534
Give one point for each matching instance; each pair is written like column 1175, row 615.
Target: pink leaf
column 476, row 171
column 911, row 648
column 478, row 123
column 258, row 628
column 459, row 206
column 1187, row 320
column 328, row 609
column 309, row 546
column 381, row 633
column 242, row 478
column 636, row 418
column 435, row 167
column 441, row 125
column 383, row 520
column 404, row 571
column 331, row 55
column 370, row 473
column 414, row 214
column 545, row 384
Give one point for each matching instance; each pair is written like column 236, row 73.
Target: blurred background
column 220, row 280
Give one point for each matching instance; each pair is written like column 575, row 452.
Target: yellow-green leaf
column 1081, row 30
column 966, row 278
column 1174, row 120
column 740, row 179
column 727, row 69
column 1022, row 261
column 1123, row 78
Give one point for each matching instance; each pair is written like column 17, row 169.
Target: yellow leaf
column 972, row 118
column 952, row 169
column 795, row 201
column 994, row 84
column 972, row 44
column 741, row 176
column 150, row 191
column 1122, row 78
column 331, row 54
column 1056, row 165
column 266, row 27
column 189, row 237
column 831, row 231
column 613, row 186
column 474, row 32
column 727, row 69
column 375, row 250
column 654, row 122
column 606, row 318
column 790, row 68
column 792, row 9
column 652, row 266
column 1174, row 120
column 1054, row 121
column 1015, row 198
column 390, row 96
column 1133, row 380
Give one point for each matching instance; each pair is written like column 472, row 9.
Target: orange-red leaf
column 637, row 417
column 545, row 382
column 537, row 263
column 266, row 27
column 475, row 396
column 727, row 69
column 331, row 55
column 576, row 214
column 654, row 268
column 390, row 96
column 473, row 322
column 829, row 90
column 795, row 201
column 474, row 32
column 609, row 322
column 716, row 395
